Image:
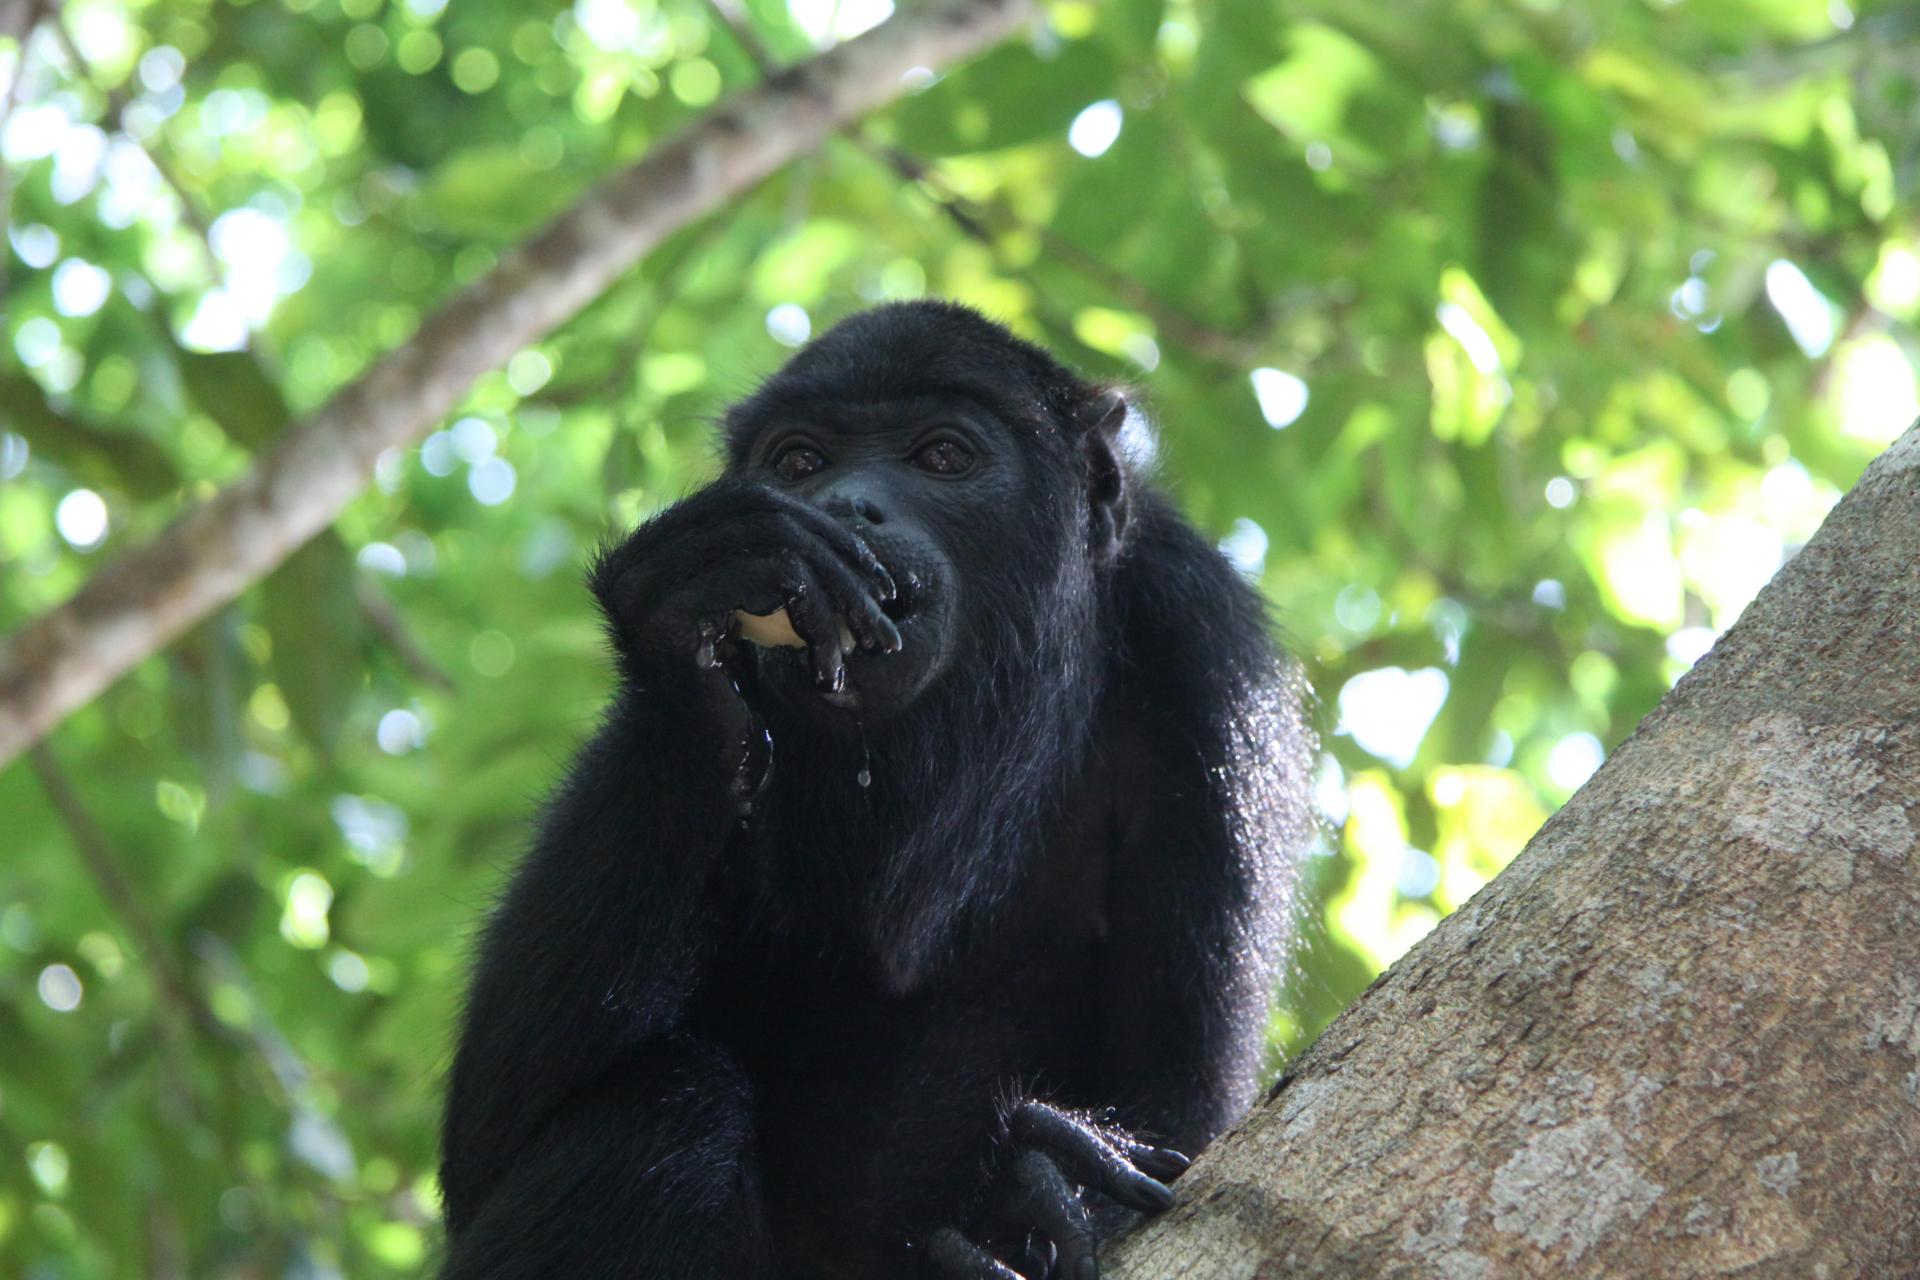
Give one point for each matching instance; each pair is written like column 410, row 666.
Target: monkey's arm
column 1200, row 888
column 585, row 1133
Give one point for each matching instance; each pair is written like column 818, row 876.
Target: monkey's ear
column 1108, row 495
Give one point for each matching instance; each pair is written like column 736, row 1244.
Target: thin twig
column 182, row 1006
column 733, row 15
column 739, row 23
column 972, row 220
column 96, row 856
column 385, row 618
column 976, row 220
column 114, row 122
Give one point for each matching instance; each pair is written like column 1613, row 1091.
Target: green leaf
column 484, row 191
column 1010, row 96
column 236, row 391
column 319, row 637
column 108, row 458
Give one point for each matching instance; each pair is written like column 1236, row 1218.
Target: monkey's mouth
column 876, row 684
column 908, row 591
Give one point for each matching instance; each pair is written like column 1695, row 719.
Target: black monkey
column 920, row 948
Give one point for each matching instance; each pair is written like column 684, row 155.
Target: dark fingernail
column 1089, row 1269
column 1158, row 1194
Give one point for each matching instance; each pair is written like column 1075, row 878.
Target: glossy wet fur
column 799, row 1045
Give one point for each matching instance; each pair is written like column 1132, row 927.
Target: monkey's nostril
column 857, row 509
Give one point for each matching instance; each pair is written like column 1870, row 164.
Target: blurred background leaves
column 1510, row 346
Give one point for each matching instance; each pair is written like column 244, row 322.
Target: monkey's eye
column 797, row 462
column 943, row 458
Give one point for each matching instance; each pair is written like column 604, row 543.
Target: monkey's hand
column 672, row 590
column 1036, row 1212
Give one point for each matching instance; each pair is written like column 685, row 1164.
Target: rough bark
column 139, row 603
column 1680, row 1035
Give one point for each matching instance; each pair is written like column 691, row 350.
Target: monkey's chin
column 847, row 698
column 875, row 688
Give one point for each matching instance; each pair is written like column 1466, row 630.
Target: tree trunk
column 134, row 606
column 1680, row 1035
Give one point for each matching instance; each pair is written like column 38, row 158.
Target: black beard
column 890, row 844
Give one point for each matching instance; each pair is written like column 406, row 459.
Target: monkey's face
column 952, row 450
column 933, row 487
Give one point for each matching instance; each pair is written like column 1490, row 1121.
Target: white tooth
column 846, row 638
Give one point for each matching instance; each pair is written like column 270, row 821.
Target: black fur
column 850, row 963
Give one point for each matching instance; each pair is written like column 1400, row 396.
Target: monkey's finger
column 815, row 621
column 1037, row 1256
column 951, row 1256
column 829, row 660
column 1163, row 1163
column 1035, row 1192
column 1088, row 1156
column 848, row 545
column 868, row 622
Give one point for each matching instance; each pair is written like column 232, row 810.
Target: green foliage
column 1570, row 321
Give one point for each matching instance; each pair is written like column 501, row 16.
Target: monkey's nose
column 857, row 508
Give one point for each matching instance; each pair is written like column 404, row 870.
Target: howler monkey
column 922, row 938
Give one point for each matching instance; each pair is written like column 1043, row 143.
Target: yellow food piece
column 769, row 630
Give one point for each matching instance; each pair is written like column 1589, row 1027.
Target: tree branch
column 1680, row 1035
column 734, row 17
column 137, row 604
column 972, row 221
column 176, row 997
column 392, row 628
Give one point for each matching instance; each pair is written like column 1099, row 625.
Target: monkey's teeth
column 846, row 638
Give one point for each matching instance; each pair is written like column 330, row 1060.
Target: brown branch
column 739, row 23
column 973, row 220
column 135, row 605
column 385, row 619
column 1714, row 939
column 976, row 221
column 96, row 856
column 17, row 18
